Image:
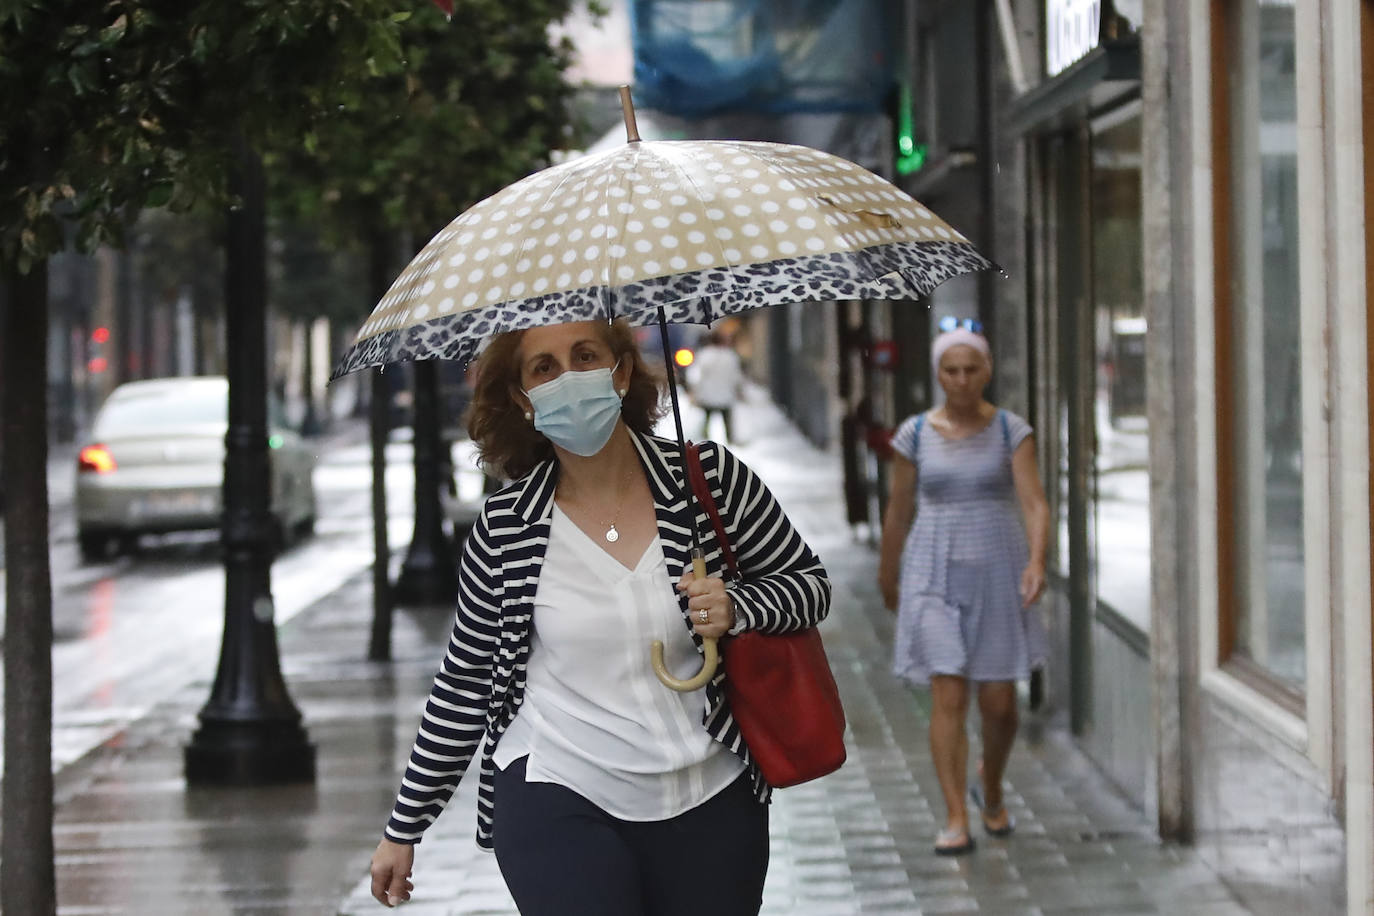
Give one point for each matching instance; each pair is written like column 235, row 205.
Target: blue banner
column 702, row 57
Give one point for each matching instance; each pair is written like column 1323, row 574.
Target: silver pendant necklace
column 611, row 534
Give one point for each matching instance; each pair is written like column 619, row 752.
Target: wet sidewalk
column 133, row 839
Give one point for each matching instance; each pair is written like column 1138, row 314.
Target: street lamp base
column 249, row 754
column 425, row 583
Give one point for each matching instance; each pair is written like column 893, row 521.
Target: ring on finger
column 702, row 615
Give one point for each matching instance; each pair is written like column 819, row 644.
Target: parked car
column 154, row 463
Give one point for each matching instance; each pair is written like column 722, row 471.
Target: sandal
column 976, row 794
column 947, row 843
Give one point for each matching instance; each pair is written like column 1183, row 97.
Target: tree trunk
column 27, row 875
column 310, row 422
column 379, row 421
column 429, row 573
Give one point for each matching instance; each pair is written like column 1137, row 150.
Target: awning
column 1107, row 72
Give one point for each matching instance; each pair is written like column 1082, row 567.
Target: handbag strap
column 702, row 489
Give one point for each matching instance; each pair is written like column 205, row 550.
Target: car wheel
column 92, row 546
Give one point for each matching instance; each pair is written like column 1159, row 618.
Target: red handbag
column 779, row 685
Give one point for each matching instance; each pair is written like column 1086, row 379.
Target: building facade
column 1178, row 192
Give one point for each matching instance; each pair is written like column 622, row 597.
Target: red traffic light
column 100, row 335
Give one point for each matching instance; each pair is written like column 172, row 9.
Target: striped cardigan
column 481, row 680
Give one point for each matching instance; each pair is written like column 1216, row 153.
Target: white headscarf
column 959, row 337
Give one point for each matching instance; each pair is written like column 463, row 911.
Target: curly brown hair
column 509, row 444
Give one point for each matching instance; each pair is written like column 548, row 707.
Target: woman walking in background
column 600, row 790
column 964, row 578
column 716, row 381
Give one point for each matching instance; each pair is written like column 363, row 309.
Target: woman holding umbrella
column 600, row 790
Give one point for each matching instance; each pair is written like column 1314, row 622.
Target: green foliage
column 478, row 103
column 313, row 280
column 180, row 252
column 108, row 106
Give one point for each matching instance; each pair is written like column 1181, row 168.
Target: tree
column 480, row 103
column 312, row 280
column 106, row 108
column 178, row 259
column 60, row 65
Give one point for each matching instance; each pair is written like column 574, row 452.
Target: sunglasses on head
column 950, row 322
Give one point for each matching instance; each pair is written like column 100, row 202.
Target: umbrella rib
column 563, row 179
column 664, row 153
column 608, row 286
column 687, row 176
column 622, row 218
column 639, row 153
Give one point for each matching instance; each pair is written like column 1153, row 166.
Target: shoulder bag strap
column 702, row 489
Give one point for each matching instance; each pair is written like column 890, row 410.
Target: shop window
column 1121, row 475
column 1260, row 375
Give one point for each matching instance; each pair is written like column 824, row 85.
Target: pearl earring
column 621, row 391
column 529, row 415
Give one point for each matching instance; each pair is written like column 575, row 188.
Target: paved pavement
column 132, row 838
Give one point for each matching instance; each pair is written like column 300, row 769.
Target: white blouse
column 595, row 718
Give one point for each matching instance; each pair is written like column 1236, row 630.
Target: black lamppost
column 429, row 572
column 250, row 732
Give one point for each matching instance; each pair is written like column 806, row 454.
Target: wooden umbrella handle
column 708, row 667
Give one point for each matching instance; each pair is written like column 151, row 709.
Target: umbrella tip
column 627, row 107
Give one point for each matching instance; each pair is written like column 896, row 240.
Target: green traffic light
column 912, row 163
column 910, row 155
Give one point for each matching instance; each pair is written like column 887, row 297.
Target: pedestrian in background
column 716, row 380
column 601, row 790
column 965, row 577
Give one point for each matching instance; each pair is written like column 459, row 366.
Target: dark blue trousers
column 563, row 856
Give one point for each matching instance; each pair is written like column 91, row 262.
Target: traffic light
column 96, row 361
column 910, row 155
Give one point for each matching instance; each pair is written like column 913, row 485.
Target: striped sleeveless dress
column 959, row 611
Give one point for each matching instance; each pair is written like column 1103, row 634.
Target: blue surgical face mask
column 577, row 411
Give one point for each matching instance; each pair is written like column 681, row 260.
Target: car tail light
column 95, row 458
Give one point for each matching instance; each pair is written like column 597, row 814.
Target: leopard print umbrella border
column 702, row 228
column 905, row 270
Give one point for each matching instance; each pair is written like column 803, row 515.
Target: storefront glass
column 1121, row 477
column 1265, row 357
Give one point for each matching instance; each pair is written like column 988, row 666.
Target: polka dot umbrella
column 681, row 230
column 655, row 232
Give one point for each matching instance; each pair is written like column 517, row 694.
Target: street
column 132, row 631
column 132, row 837
column 137, row 647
